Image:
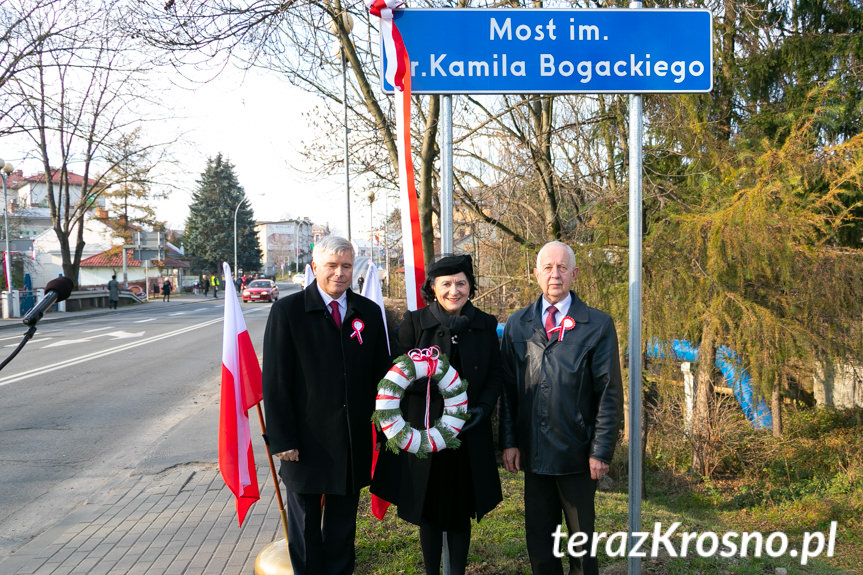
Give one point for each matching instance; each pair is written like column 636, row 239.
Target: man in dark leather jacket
column 560, row 410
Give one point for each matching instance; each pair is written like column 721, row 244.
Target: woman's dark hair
column 448, row 266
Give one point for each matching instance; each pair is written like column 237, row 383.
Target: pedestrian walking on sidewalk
column 214, row 283
column 167, row 288
column 113, row 292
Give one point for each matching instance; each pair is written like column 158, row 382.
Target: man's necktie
column 337, row 316
column 550, row 322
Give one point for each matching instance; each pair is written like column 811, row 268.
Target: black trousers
column 546, row 498
column 321, row 541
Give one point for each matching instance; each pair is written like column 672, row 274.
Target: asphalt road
column 131, row 391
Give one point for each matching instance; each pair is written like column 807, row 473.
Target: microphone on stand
column 57, row 290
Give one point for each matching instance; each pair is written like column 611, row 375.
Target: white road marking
column 145, row 320
column 65, row 342
column 112, row 335
column 16, row 337
column 97, row 329
column 120, row 334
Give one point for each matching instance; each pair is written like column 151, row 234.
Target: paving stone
column 182, row 522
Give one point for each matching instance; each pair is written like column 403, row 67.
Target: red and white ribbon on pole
column 397, row 73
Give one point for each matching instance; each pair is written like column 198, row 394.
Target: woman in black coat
column 445, row 490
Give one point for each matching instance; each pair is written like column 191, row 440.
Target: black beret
column 451, row 265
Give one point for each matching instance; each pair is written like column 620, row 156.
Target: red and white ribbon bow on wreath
column 358, row 326
column 566, row 324
column 397, row 74
column 430, row 356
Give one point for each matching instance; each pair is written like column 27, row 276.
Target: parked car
column 299, row 279
column 261, row 290
column 188, row 284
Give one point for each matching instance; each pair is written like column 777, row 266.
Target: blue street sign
column 501, row 51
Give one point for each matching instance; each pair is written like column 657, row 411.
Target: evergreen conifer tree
column 209, row 238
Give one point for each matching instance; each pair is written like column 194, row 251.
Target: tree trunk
column 725, row 80
column 776, row 406
column 626, row 425
column 366, row 89
column 645, row 426
column 702, row 424
column 541, row 108
column 610, row 144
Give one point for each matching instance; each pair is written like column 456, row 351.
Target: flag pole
column 282, row 511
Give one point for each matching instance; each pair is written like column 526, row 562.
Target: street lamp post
column 386, row 251
column 6, row 169
column 236, row 210
column 348, row 23
column 371, row 226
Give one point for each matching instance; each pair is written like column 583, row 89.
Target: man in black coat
column 561, row 409
column 324, row 352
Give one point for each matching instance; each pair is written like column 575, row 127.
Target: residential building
column 97, row 270
column 47, row 261
column 286, row 245
column 33, row 190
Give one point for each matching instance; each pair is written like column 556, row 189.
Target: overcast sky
column 256, row 121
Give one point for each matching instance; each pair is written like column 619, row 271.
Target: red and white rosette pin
column 358, row 326
column 566, row 324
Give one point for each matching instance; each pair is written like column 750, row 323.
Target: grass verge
column 795, row 484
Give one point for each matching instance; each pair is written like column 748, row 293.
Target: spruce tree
column 209, row 238
column 130, row 186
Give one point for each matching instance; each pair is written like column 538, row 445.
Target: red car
column 261, row 290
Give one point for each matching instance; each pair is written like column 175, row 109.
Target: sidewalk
column 179, row 521
column 171, row 514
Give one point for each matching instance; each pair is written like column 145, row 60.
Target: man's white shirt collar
column 342, row 301
column 562, row 307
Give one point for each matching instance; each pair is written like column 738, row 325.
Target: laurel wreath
column 388, row 417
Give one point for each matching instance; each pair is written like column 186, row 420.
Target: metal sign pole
column 347, row 149
column 446, row 233
column 125, row 267
column 446, row 201
column 635, row 159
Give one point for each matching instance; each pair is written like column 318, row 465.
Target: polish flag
column 241, row 390
column 372, row 291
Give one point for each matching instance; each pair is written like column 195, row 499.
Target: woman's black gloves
column 477, row 414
